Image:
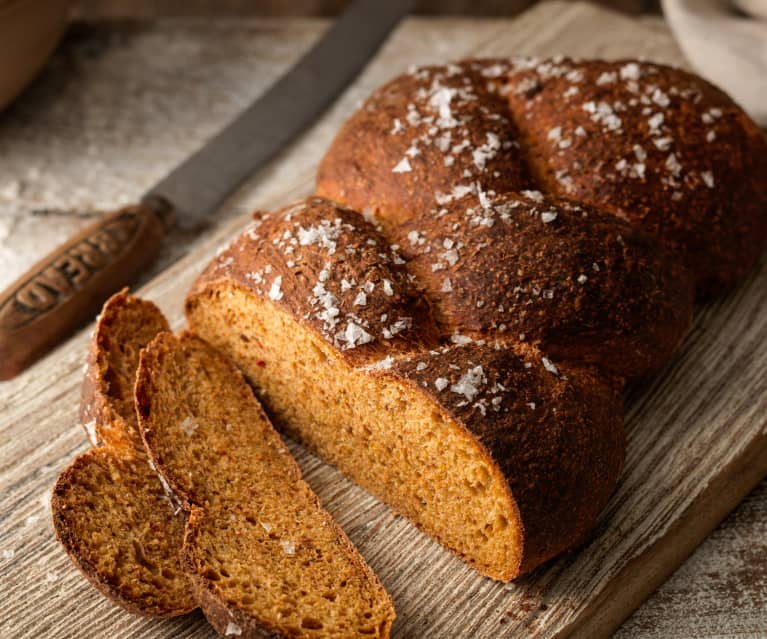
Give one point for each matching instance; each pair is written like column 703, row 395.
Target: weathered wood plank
column 696, row 433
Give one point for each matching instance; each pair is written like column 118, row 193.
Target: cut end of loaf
column 377, row 430
column 262, row 554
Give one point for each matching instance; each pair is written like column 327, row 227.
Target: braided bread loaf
column 654, row 145
column 459, row 349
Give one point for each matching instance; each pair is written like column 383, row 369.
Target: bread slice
column 110, row 510
column 264, row 557
column 501, row 455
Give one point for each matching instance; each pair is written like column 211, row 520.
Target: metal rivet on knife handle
column 68, row 286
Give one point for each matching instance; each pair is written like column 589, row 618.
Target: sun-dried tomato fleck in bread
column 579, row 283
column 264, row 557
column 110, row 510
column 657, row 145
column 491, row 448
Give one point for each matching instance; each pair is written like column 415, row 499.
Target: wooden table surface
column 121, row 102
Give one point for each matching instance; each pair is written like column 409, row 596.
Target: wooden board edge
column 667, row 553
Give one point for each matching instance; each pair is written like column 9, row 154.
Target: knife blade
column 58, row 293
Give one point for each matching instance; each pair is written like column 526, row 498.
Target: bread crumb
column 232, row 629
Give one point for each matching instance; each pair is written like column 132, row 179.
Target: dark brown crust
column 218, row 610
column 584, row 285
column 107, row 424
column 657, row 145
column 450, row 123
column 296, row 245
column 555, row 434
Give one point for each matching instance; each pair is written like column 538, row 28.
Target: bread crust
column 106, row 397
column 151, row 521
column 328, row 267
column 581, row 284
column 419, row 137
column 579, row 428
column 555, row 433
column 656, row 145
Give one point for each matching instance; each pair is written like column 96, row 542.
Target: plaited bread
column 264, row 557
column 110, row 510
column 581, row 284
column 660, row 146
column 491, row 448
column 425, row 137
column 657, row 146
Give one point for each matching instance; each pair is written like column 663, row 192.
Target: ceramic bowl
column 29, row 31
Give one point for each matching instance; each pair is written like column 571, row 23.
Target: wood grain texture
column 696, row 433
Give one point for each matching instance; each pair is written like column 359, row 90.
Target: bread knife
column 64, row 289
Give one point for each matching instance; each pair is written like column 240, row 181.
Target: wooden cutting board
column 697, row 434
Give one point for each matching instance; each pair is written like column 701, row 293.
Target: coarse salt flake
column 469, row 383
column 288, row 546
column 275, row 293
column 547, row 217
column 441, row 383
column 188, row 426
column 403, row 166
column 549, row 366
column 361, row 299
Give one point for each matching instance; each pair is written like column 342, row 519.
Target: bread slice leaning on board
column 257, row 552
column 110, row 510
column 263, row 556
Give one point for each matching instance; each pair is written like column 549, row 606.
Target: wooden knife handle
column 67, row 287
